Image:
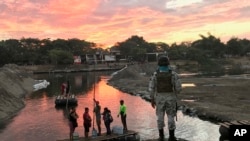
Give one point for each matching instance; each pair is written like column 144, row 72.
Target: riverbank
column 15, row 83
column 39, row 69
column 211, row 98
column 214, row 99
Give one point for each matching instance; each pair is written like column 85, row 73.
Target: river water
column 40, row 120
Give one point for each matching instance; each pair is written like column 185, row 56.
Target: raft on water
column 62, row 100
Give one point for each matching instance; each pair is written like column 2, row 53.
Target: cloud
column 111, row 21
column 172, row 4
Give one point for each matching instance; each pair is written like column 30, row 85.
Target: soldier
column 164, row 84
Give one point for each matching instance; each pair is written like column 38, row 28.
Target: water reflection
column 40, row 120
column 184, row 85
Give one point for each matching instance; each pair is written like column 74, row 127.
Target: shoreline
column 15, row 84
column 213, row 99
column 186, row 110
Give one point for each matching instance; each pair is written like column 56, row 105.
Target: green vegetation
column 207, row 51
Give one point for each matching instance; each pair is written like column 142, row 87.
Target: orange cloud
column 110, row 21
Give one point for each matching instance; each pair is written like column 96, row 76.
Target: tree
column 59, row 57
column 178, row 51
column 13, row 50
column 211, row 45
column 161, row 47
column 135, row 47
column 237, row 47
column 4, row 56
column 79, row 46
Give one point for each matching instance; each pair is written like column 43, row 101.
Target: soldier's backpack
column 164, row 82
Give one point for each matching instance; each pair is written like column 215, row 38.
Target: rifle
column 176, row 104
column 176, row 109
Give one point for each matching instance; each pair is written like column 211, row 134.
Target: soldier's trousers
column 165, row 105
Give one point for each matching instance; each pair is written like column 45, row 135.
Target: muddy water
column 41, row 121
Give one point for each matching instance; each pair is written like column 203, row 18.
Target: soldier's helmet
column 163, row 61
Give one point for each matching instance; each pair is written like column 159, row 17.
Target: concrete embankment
column 37, row 69
column 15, row 83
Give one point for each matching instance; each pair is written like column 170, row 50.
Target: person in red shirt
column 63, row 89
column 86, row 122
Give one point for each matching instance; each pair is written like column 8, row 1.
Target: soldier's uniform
column 165, row 101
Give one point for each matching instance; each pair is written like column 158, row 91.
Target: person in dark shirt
column 72, row 122
column 97, row 111
column 107, row 118
column 86, row 122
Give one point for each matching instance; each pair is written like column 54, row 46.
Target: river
column 40, row 120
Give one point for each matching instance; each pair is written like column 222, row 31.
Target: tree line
column 33, row 51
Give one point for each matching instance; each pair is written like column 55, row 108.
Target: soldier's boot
column 161, row 135
column 172, row 136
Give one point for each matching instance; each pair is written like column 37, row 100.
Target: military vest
column 164, row 82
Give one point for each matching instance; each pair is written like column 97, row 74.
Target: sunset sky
column 109, row 21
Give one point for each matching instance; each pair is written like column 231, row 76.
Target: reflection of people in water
column 65, row 110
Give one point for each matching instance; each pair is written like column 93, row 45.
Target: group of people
column 106, row 116
column 164, row 85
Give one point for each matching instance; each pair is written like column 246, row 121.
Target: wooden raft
column 224, row 127
column 104, row 137
column 61, row 100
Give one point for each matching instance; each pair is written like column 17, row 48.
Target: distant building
column 90, row 59
column 77, row 60
column 109, row 58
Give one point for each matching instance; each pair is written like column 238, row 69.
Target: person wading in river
column 164, row 84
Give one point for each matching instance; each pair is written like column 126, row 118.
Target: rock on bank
column 15, row 83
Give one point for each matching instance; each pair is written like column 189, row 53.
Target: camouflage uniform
column 165, row 101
